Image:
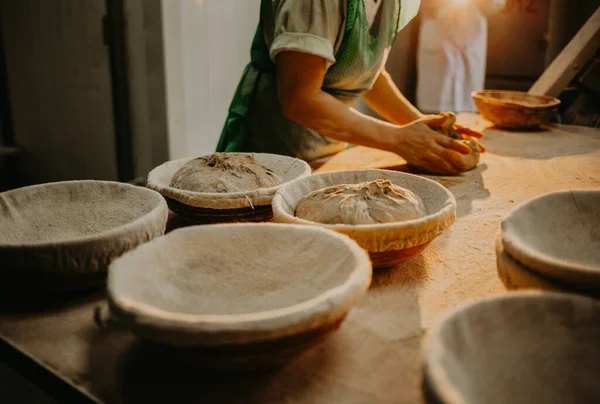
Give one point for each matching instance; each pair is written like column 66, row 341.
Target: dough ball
column 224, row 172
column 448, row 128
column 371, row 202
column 470, row 160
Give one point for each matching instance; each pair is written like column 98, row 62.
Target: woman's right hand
column 422, row 147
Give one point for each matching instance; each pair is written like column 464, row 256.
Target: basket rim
column 544, row 263
column 264, row 325
column 158, row 210
column 445, row 210
column 483, row 95
column 216, row 200
column 437, row 374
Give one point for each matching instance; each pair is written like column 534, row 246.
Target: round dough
column 370, row 202
column 472, row 159
column 448, row 129
column 224, row 172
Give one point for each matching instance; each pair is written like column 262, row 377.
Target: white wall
column 147, row 90
column 206, row 44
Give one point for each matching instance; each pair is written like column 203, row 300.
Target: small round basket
column 515, row 109
column 520, row 347
column 62, row 236
column 234, row 297
column 388, row 244
column 557, row 236
column 212, row 207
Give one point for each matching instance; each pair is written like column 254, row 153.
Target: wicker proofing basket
column 556, row 235
column 62, row 236
column 515, row 109
column 266, row 292
column 388, row 244
column 518, row 348
column 516, row 276
column 210, row 207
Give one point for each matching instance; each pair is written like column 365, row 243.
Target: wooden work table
column 376, row 354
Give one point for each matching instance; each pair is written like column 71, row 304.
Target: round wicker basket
column 515, row 109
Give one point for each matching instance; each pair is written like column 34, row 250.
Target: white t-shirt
column 311, row 26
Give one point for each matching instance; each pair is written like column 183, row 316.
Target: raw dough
column 370, row 202
column 224, row 172
column 448, row 129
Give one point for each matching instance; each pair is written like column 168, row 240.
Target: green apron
column 255, row 122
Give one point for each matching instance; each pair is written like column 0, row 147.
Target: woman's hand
column 436, row 121
column 422, row 147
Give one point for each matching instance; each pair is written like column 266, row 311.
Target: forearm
column 386, row 100
column 330, row 117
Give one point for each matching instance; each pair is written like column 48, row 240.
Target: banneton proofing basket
column 515, row 109
column 388, row 244
column 63, row 235
column 234, row 297
column 557, row 235
column 212, row 207
column 518, row 348
column 516, row 276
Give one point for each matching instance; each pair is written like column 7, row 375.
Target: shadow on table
column 411, row 272
column 145, row 375
column 546, row 143
column 428, row 392
column 22, row 300
column 466, row 188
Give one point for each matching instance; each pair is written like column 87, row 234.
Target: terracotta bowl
column 558, row 236
column 63, row 235
column 238, row 296
column 515, row 109
column 211, row 207
column 388, row 244
column 521, row 347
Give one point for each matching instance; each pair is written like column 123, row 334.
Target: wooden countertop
column 376, row 354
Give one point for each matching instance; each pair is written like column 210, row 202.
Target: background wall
column 147, row 91
column 207, row 45
column 59, row 80
column 402, row 63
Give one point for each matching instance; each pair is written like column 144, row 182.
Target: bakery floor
column 375, row 356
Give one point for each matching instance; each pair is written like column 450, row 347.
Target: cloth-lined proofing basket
column 63, row 235
column 389, row 243
column 213, row 207
column 238, row 296
column 557, row 236
column 516, row 276
column 520, row 347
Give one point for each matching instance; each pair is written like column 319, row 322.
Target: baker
column 311, row 60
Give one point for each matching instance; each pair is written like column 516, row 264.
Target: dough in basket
column 370, row 202
column 448, row 129
column 224, row 172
